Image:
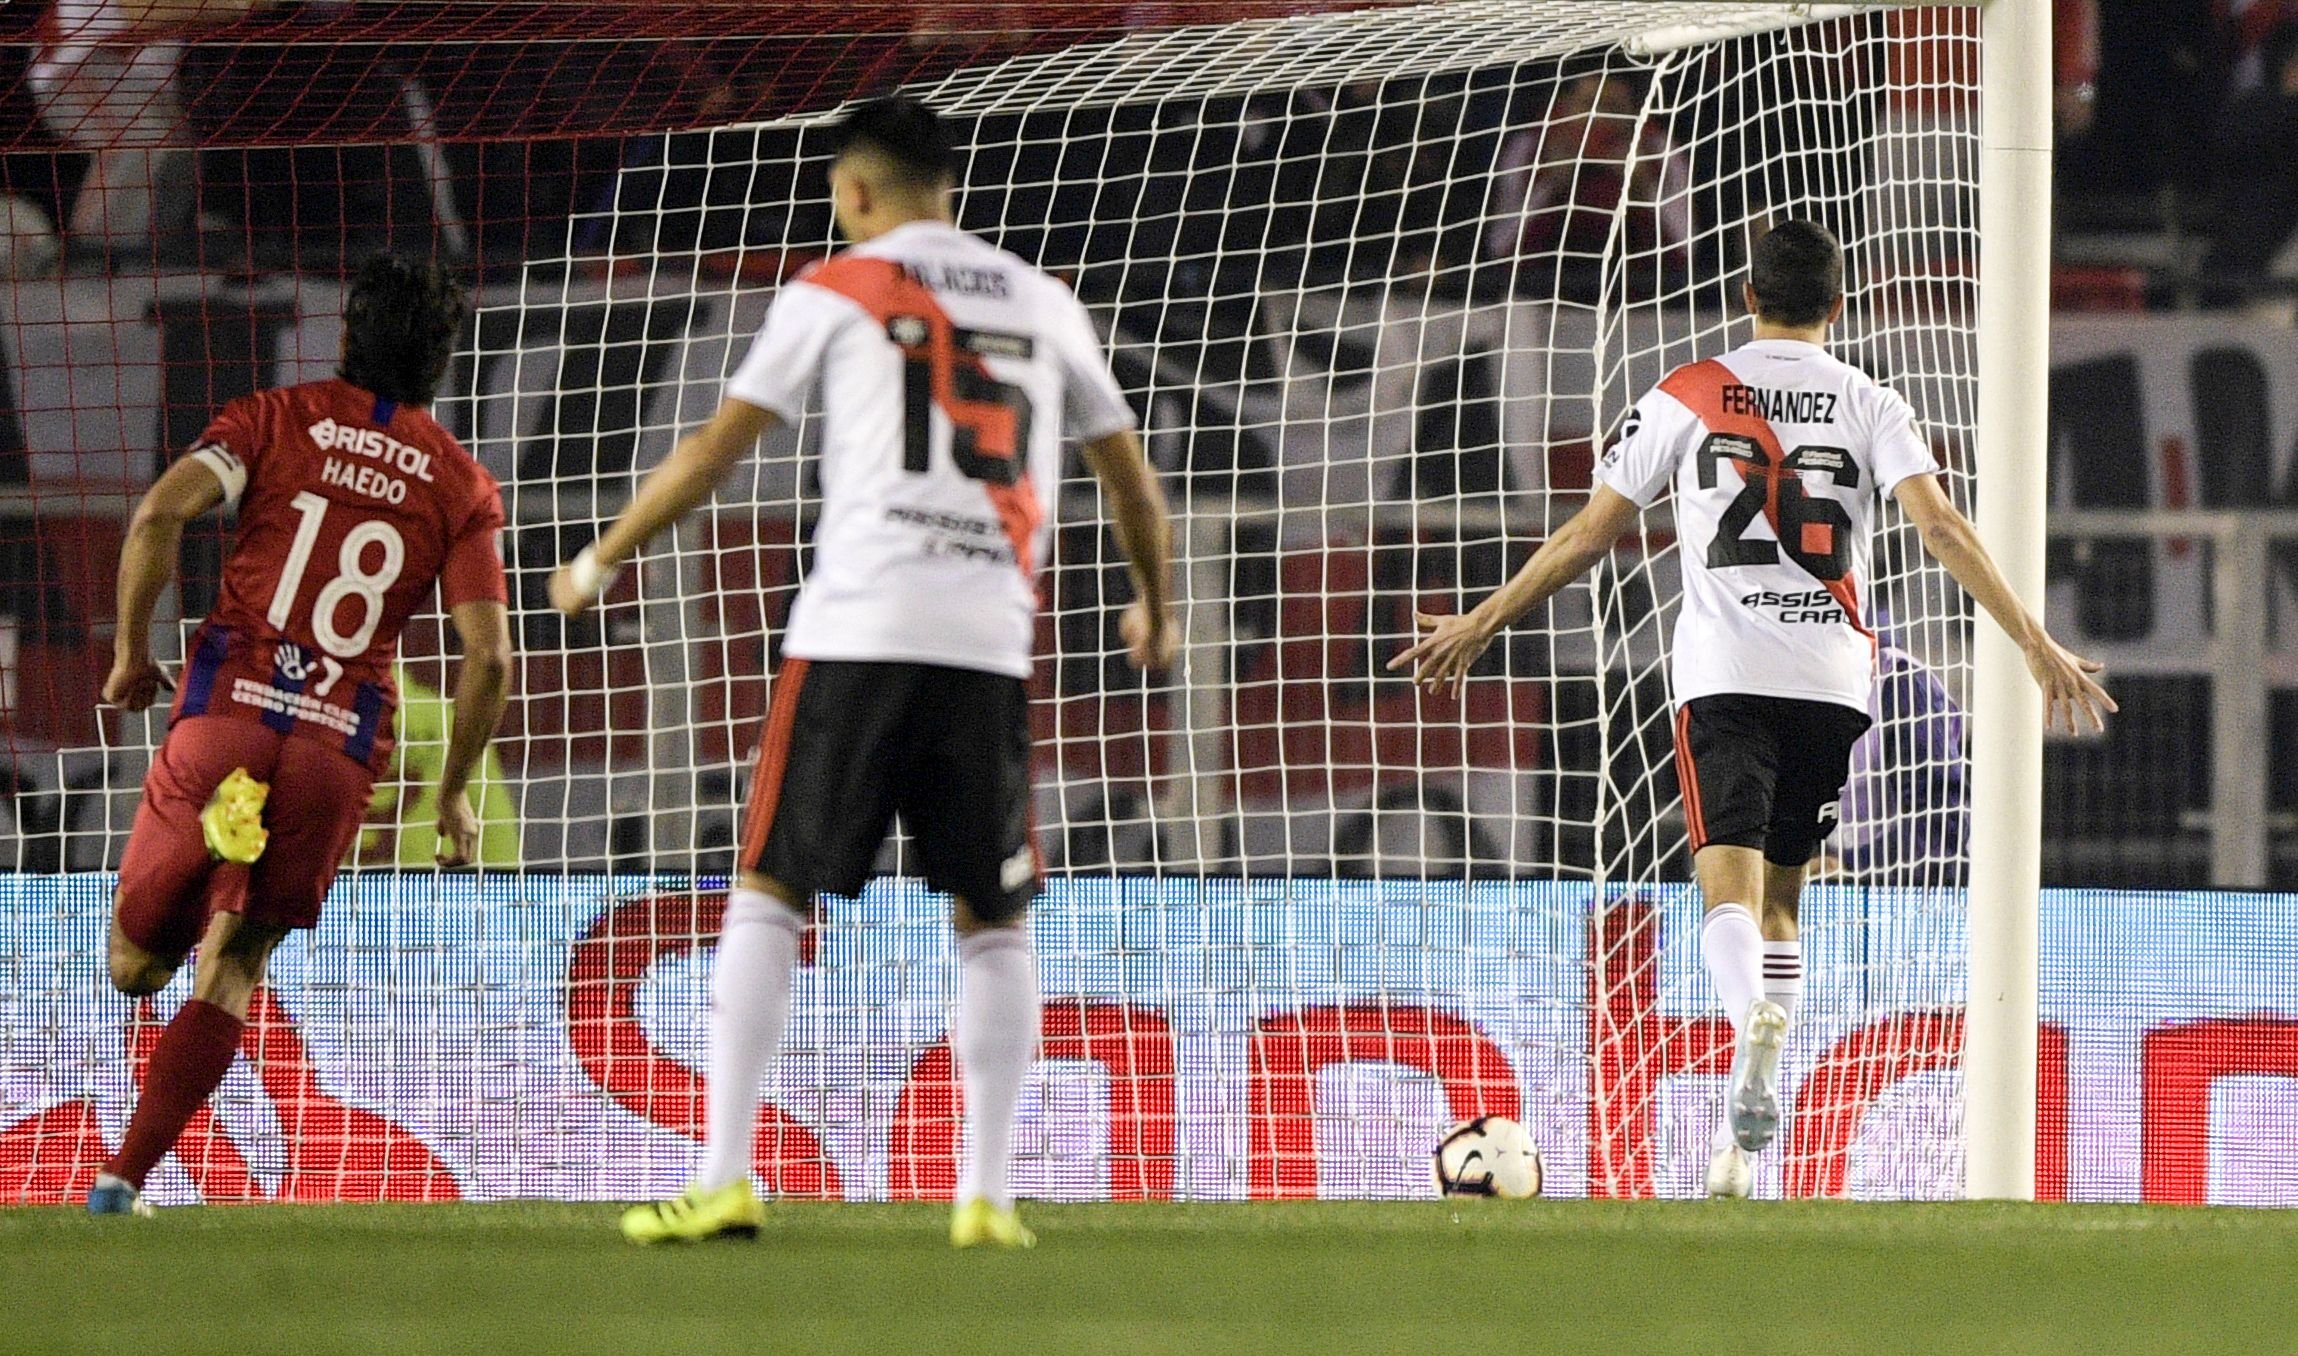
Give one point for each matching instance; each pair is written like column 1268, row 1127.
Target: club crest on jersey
column 1629, row 428
column 908, row 330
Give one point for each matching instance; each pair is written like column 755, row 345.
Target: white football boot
column 1753, row 1102
column 1731, row 1173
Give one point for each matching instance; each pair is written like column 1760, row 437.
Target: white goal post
column 1999, row 1049
column 2012, row 438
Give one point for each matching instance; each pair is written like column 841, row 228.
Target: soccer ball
column 1488, row 1156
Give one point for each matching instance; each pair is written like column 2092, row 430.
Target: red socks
column 191, row 1058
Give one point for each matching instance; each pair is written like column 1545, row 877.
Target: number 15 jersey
column 950, row 372
column 1781, row 457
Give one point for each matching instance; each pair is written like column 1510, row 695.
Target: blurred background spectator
column 105, row 80
column 716, row 188
column 2255, row 147
column 2246, row 28
column 1562, row 178
column 1358, row 177
column 511, row 155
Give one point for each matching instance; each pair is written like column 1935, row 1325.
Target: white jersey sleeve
column 786, row 358
column 1092, row 404
column 1896, row 442
column 1650, row 447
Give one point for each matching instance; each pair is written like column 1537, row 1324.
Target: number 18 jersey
column 1781, row 457
column 950, row 371
column 350, row 509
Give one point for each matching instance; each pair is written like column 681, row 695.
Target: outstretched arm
column 480, row 693
column 188, row 490
column 686, row 477
column 2064, row 677
column 1448, row 646
column 1145, row 533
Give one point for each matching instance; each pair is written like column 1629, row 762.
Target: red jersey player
column 353, row 502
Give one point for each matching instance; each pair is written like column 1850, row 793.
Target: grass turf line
column 1325, row 1278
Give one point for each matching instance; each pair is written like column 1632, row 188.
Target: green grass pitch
column 1326, row 1278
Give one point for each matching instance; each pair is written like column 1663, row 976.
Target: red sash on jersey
column 886, row 291
column 1698, row 387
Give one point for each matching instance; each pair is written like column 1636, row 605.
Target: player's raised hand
column 2072, row 697
column 1151, row 637
column 458, row 831
column 1448, row 647
column 134, row 683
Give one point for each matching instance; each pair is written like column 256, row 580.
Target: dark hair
column 908, row 135
column 1797, row 273
column 399, row 328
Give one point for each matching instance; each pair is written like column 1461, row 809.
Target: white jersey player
column 949, row 374
column 105, row 80
column 952, row 372
column 1780, row 457
column 1775, row 566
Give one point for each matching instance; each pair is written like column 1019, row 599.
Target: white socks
column 1732, row 946
column 995, row 1037
column 1783, row 974
column 749, row 1006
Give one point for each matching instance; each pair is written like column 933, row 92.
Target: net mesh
column 1381, row 285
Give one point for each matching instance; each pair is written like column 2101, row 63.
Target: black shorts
column 848, row 745
column 1764, row 772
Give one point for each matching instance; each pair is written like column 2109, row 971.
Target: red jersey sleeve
column 230, row 446
column 473, row 572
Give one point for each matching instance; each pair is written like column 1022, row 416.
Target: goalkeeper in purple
column 1780, row 456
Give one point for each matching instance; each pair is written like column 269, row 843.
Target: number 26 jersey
column 1781, row 457
column 950, row 372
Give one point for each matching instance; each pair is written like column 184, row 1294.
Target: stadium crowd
column 489, row 151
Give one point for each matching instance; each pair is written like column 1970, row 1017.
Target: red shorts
column 168, row 883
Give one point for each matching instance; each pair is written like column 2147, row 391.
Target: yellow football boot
column 732, row 1211
column 978, row 1224
column 232, row 823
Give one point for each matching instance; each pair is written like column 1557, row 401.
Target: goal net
column 1381, row 285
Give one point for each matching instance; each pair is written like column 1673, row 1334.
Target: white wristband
column 589, row 577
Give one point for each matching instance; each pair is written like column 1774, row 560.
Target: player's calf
column 136, row 972
column 994, row 1033
column 233, row 958
column 193, row 1053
